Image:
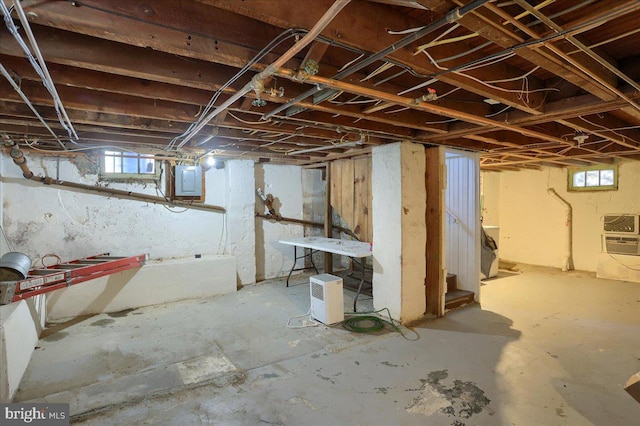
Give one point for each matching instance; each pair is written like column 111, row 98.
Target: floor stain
column 461, row 400
column 560, row 412
column 102, row 322
column 552, row 355
column 121, row 314
column 382, row 390
column 56, row 336
column 388, row 364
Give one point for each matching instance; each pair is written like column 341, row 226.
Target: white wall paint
column 490, row 195
column 240, row 233
column 41, row 219
column 285, row 184
column 386, row 181
column 313, row 195
column 154, row 283
column 399, row 203
column 20, row 326
column 532, row 223
column 463, row 219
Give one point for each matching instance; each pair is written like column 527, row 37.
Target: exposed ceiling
column 526, row 83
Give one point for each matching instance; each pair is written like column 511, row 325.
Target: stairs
column 456, row 298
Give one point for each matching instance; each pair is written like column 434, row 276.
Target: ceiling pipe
column 452, row 16
column 257, row 82
column 421, row 105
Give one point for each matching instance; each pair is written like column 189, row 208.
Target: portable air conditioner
column 326, row 298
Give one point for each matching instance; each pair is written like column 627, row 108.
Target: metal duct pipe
column 20, row 160
column 567, row 265
column 257, row 80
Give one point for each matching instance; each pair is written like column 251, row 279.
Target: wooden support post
column 434, row 283
column 328, row 218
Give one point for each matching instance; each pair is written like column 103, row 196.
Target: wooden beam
column 434, row 282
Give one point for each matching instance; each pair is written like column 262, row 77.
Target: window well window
column 596, row 178
column 128, row 165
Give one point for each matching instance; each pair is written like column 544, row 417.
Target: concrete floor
column 545, row 348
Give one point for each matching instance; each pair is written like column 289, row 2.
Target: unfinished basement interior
column 307, row 212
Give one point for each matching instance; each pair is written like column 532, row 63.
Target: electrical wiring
column 38, row 65
column 404, row 32
column 451, row 120
column 246, row 121
column 393, row 111
column 44, row 265
column 6, row 240
column 626, row 266
column 88, row 148
column 499, row 112
column 444, row 33
column 348, row 64
column 26, row 100
column 624, row 138
column 309, row 322
column 460, row 55
column 382, row 68
column 384, row 80
column 506, row 80
column 282, row 37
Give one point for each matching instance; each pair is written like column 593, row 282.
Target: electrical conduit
column 567, row 265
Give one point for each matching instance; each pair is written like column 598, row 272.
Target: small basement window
column 122, row 165
column 595, row 178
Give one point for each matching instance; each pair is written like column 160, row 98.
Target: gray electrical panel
column 188, row 181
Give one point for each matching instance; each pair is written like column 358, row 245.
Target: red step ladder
column 50, row 278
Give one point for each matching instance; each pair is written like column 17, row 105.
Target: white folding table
column 353, row 249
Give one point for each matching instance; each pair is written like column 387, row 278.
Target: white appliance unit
column 622, row 223
column 622, row 244
column 327, row 305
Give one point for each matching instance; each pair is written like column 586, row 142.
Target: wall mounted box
column 188, row 181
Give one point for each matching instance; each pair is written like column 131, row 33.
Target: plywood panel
column 351, row 195
column 346, row 208
column 336, row 185
column 361, row 172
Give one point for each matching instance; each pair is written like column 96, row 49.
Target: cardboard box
column 633, row 386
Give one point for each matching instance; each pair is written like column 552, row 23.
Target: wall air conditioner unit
column 622, row 223
column 326, row 298
column 622, row 244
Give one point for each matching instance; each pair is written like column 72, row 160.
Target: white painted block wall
column 40, row 219
column 285, row 184
column 532, row 222
column 239, row 231
column 20, row 326
column 399, row 205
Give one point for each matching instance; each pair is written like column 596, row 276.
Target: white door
column 462, row 224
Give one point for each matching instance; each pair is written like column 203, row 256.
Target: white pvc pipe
column 568, row 260
column 271, row 69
